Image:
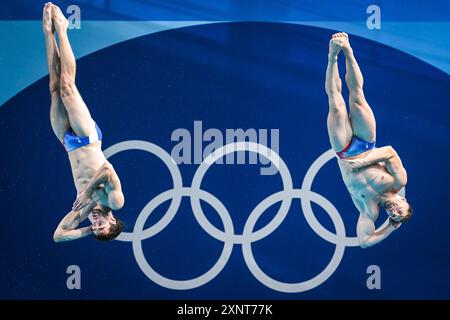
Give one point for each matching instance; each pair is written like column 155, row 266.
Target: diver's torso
column 85, row 162
column 366, row 185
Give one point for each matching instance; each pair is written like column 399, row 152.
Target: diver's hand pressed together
column 355, row 164
column 83, row 199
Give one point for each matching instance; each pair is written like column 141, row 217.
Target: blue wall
column 227, row 75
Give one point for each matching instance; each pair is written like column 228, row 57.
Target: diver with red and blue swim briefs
column 373, row 176
column 98, row 187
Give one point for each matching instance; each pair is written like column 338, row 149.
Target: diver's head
column 105, row 226
column 397, row 208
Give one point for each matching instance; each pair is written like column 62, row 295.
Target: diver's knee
column 54, row 86
column 66, row 85
column 357, row 99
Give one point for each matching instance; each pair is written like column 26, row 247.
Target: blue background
column 273, row 10
column 228, row 75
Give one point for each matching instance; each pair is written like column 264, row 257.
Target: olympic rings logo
column 228, row 236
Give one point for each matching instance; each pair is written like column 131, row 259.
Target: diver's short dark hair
column 114, row 231
column 408, row 214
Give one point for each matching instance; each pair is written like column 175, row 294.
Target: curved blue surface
column 23, row 62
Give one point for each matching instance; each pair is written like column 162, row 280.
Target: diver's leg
column 338, row 123
column 58, row 114
column 79, row 116
column 361, row 115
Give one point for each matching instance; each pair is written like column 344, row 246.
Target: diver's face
column 396, row 207
column 102, row 219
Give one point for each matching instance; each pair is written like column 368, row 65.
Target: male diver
column 98, row 186
column 373, row 176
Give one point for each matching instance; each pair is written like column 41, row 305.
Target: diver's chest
column 101, row 195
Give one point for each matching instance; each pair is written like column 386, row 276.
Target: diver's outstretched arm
column 67, row 228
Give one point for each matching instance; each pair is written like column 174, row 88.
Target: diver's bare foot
column 339, row 41
column 59, row 21
column 47, row 24
column 346, row 48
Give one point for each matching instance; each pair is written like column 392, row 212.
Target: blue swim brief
column 72, row 141
column 355, row 147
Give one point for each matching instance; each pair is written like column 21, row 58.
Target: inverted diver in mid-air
column 373, row 176
column 98, row 186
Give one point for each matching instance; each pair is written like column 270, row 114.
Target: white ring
column 174, row 172
column 325, row 273
column 207, row 276
column 213, row 157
